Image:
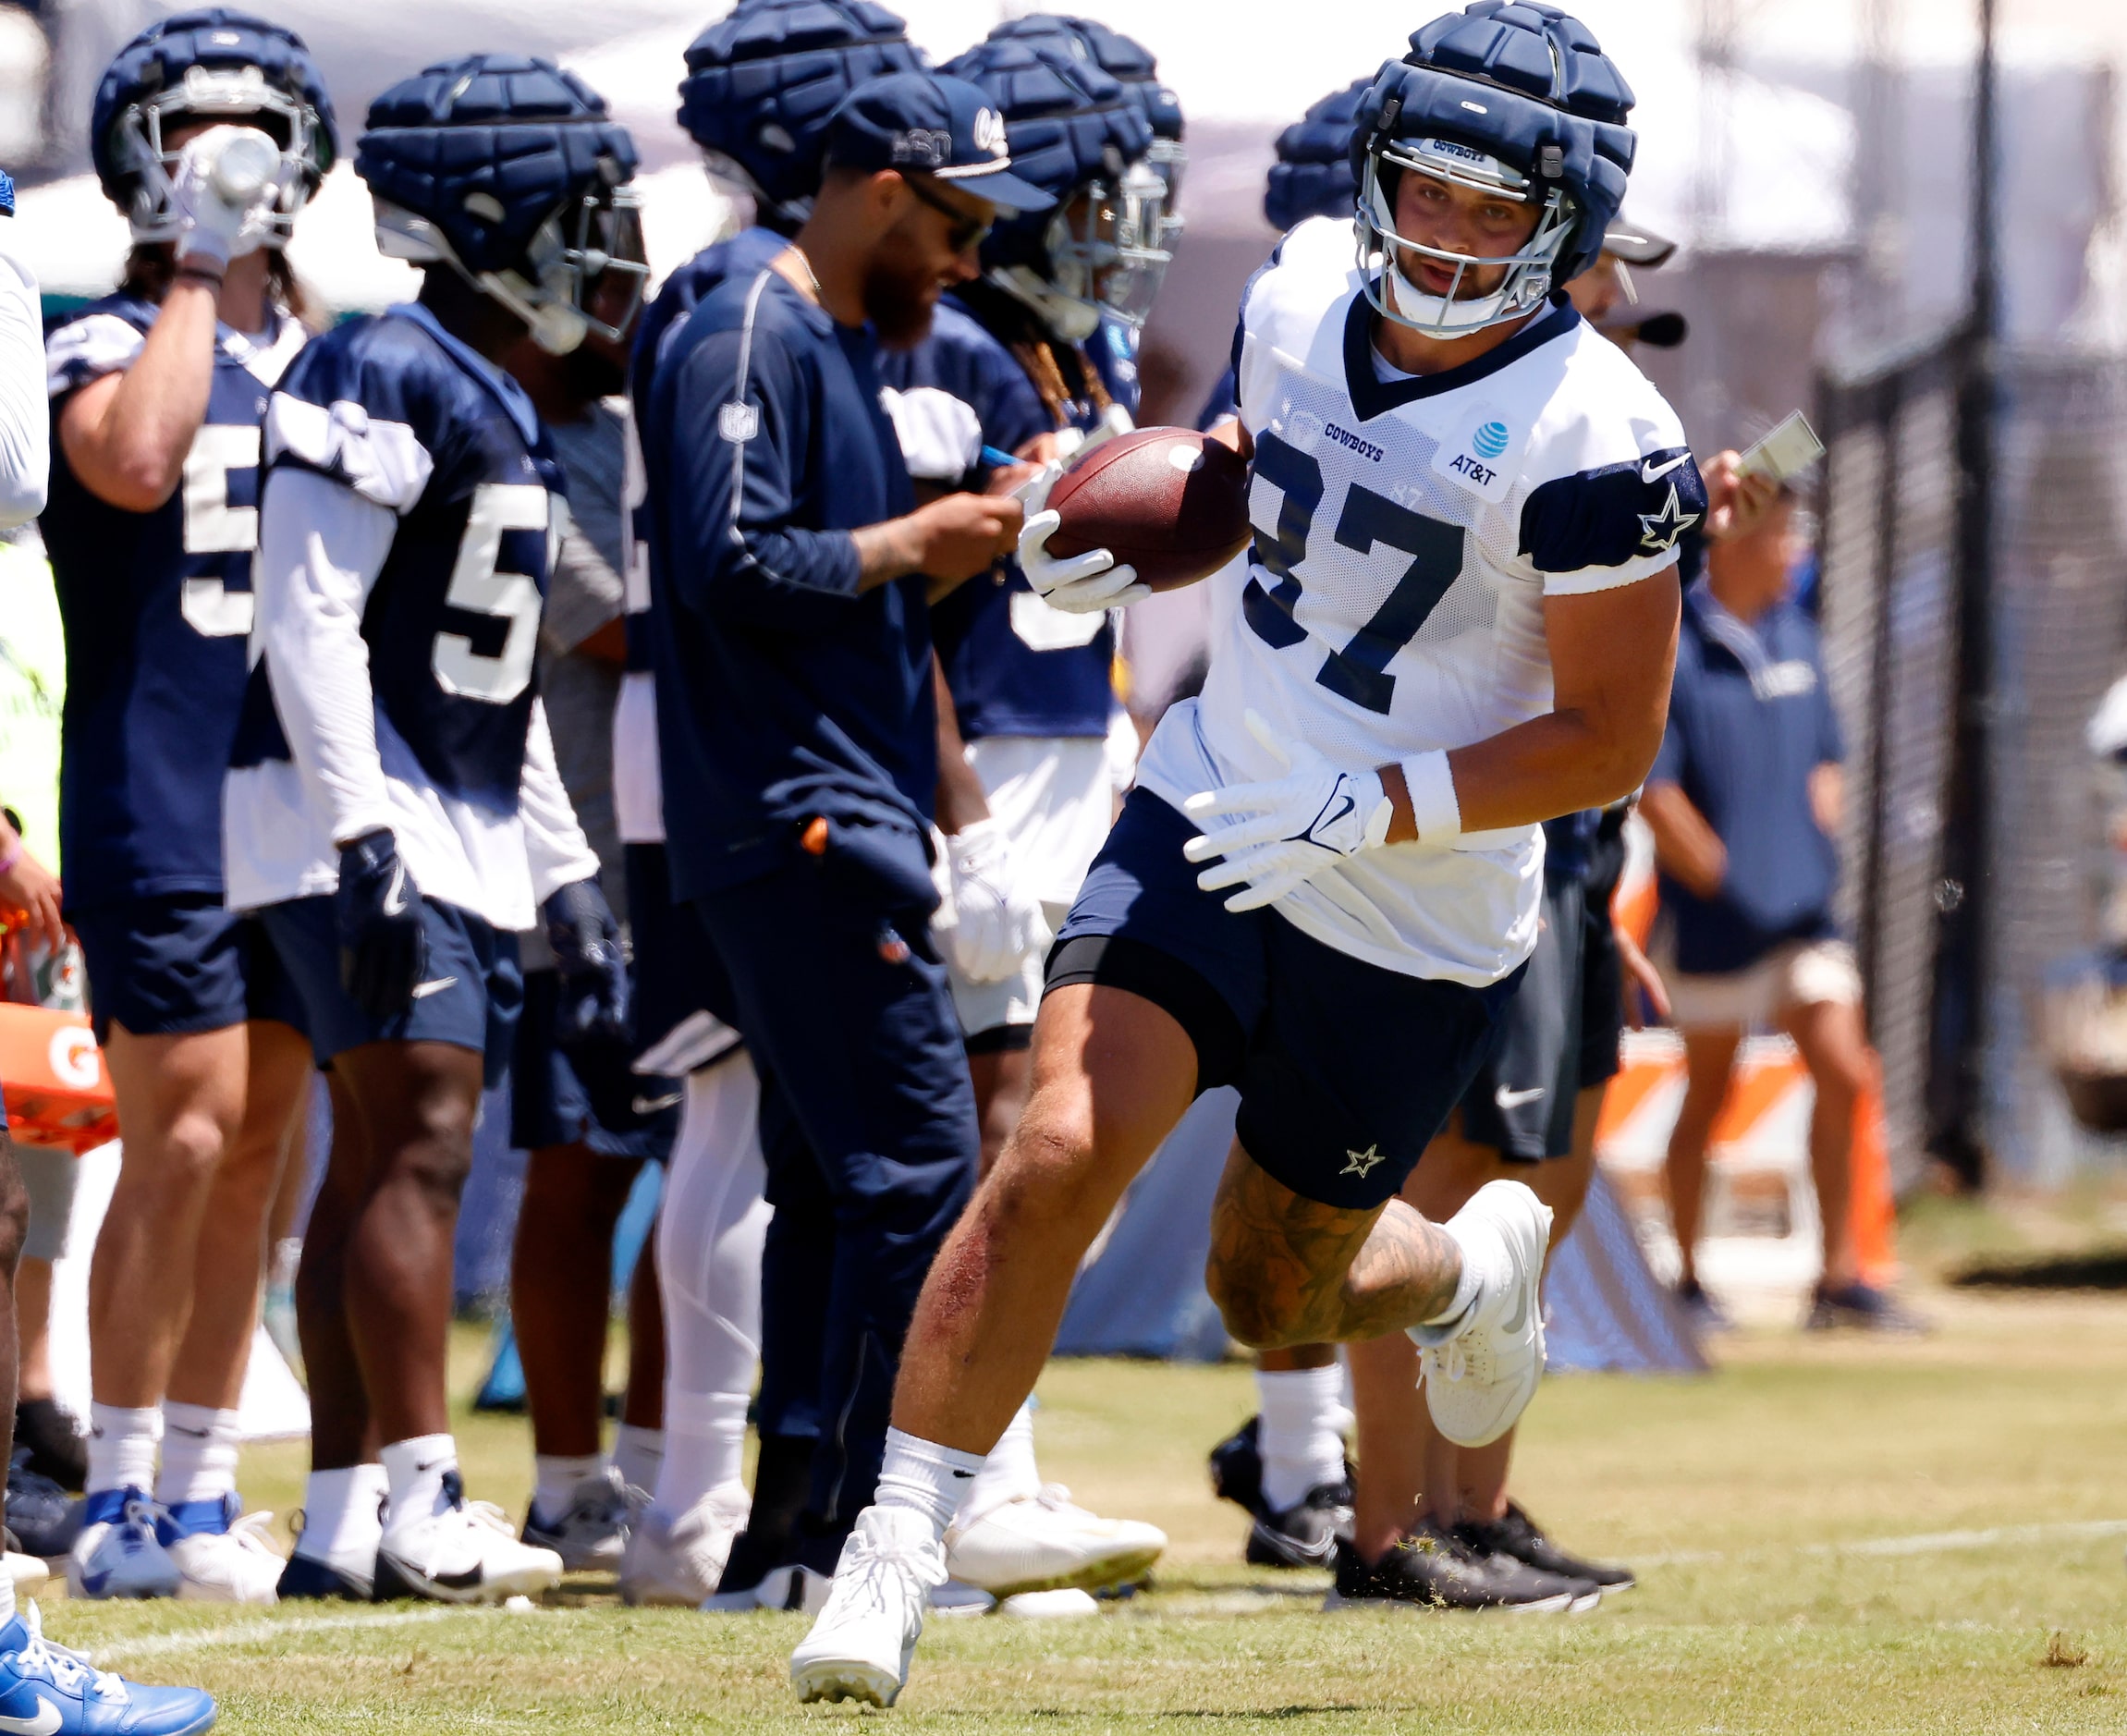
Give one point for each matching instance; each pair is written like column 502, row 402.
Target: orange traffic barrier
column 58, row 1091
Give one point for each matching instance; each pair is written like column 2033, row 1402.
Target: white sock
column 414, row 1470
column 925, row 1479
column 343, row 1518
column 558, row 1474
column 705, row 1449
column 122, row 1447
column 1452, row 1319
column 198, row 1453
column 1301, row 1437
column 1008, row 1474
column 637, row 1454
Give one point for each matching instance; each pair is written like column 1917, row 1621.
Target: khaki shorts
column 1801, row 974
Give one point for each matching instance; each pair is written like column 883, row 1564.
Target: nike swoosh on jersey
column 1650, row 472
column 1508, row 1099
column 47, row 1722
column 422, row 991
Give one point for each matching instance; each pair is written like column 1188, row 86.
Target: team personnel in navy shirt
column 1744, row 804
column 760, row 86
column 211, row 130
column 393, row 806
column 1031, row 685
column 796, row 726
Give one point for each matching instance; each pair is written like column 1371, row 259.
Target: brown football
column 1170, row 502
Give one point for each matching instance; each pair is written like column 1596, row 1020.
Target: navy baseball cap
column 933, row 125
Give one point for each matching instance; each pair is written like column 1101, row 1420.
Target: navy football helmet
column 508, row 170
column 762, row 82
column 1313, row 175
column 1512, row 98
column 213, row 65
column 1076, row 135
column 1132, row 65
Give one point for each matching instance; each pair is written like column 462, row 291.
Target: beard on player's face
column 902, row 283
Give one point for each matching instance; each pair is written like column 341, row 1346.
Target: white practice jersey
column 1407, row 531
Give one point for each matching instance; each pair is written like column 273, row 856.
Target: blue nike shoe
column 118, row 1553
column 46, row 1690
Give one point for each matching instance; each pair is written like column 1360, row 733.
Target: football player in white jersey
column 1459, row 621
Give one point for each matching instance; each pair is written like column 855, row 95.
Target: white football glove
column 1312, row 818
column 225, row 190
column 996, row 921
column 941, row 437
column 1079, row 584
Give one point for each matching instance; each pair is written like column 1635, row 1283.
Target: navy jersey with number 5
column 440, row 458
column 156, row 608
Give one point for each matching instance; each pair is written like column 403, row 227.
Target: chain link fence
column 1892, row 588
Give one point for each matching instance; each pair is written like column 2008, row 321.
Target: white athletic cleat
column 1481, row 1373
column 1042, row 1543
column 676, row 1562
column 592, row 1531
column 117, row 1554
column 465, row 1554
column 221, row 1552
column 860, row 1647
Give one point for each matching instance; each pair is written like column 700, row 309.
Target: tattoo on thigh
column 1298, row 1271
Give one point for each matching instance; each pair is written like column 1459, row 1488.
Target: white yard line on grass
column 255, row 1632
column 1925, row 1543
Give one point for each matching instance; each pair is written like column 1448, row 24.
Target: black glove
column 384, row 944
column 587, row 956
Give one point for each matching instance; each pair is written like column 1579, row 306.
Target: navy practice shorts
column 1602, row 968
column 683, row 1012
column 594, row 1101
column 1346, row 1070
column 1520, row 1103
column 468, row 997
column 183, row 962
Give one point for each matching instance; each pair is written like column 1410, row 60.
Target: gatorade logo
column 74, row 1058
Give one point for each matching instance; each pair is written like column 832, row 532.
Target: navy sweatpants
column 871, row 1149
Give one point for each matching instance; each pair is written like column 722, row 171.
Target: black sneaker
column 1300, row 1536
column 47, row 1434
column 1864, row 1308
column 1431, row 1567
column 39, row 1512
column 307, row 1580
column 1518, row 1535
column 1704, row 1313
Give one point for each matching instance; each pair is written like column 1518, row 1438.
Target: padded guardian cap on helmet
column 213, row 65
column 1509, row 98
column 762, row 82
column 508, row 170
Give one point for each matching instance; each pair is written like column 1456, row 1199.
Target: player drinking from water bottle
column 1458, row 622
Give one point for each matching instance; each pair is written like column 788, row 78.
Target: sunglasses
column 967, row 232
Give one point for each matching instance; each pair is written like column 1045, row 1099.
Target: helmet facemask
column 551, row 286
column 1169, row 161
column 237, row 95
column 1105, row 250
column 1528, row 271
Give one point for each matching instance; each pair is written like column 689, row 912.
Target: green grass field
column 1839, row 1538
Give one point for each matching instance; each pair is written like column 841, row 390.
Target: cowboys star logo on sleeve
column 1660, row 530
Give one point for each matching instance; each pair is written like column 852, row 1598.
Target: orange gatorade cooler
column 58, row 1091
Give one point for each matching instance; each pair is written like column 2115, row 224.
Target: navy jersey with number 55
column 409, row 418
column 156, row 608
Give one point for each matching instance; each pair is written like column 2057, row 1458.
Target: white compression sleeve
column 554, row 842
column 709, row 1238
column 25, row 412
column 321, row 547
